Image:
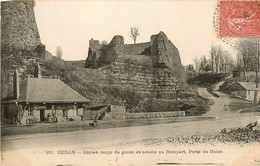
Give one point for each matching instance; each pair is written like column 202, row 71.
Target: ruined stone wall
column 99, row 55
column 161, row 50
column 94, row 53
column 158, row 82
column 18, row 26
column 138, row 49
column 164, row 53
column 114, row 49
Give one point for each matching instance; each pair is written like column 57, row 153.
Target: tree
column 205, row 66
column 197, row 64
column 239, row 63
column 219, row 59
column 250, row 52
column 190, row 68
column 227, row 61
column 134, row 33
column 212, row 56
column 58, row 52
column 247, row 49
column 215, row 53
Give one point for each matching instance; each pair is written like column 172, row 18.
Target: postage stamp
column 239, row 19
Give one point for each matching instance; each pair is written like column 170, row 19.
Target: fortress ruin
column 153, row 68
column 160, row 50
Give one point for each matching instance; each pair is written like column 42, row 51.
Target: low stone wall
column 145, row 115
column 117, row 112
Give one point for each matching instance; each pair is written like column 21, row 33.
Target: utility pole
column 256, row 72
column 257, row 66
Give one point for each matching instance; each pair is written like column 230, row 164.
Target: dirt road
column 220, row 107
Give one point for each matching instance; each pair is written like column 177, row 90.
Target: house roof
column 248, row 85
column 48, row 90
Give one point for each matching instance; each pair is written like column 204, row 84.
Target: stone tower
column 18, row 26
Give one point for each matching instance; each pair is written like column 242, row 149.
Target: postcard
column 130, row 82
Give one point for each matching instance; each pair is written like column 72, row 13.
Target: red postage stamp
column 239, row 19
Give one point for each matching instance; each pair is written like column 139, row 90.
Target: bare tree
column 215, row 55
column 134, row 33
column 227, row 61
column 247, row 49
column 239, row 63
column 219, row 52
column 212, row 56
column 58, row 52
column 197, row 64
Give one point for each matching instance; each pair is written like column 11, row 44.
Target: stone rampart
column 158, row 82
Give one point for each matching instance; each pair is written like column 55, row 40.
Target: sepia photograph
column 128, row 82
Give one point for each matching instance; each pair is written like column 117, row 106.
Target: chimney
column 16, row 84
column 37, row 71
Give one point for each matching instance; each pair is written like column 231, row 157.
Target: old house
column 39, row 99
column 245, row 90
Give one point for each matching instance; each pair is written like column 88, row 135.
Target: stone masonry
column 18, row 26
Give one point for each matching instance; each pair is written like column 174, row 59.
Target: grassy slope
column 205, row 79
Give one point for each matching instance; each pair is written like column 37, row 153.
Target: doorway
column 42, row 115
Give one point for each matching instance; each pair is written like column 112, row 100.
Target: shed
column 245, row 90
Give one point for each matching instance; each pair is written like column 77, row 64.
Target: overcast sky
column 70, row 25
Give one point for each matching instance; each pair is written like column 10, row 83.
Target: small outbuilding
column 245, row 90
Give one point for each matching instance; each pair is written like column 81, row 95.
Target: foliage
column 219, row 61
column 205, row 79
column 129, row 97
column 248, row 53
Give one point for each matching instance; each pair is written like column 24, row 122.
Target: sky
column 71, row 24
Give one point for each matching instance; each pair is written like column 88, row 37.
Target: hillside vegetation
column 205, row 79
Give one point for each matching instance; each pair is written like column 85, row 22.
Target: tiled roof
column 49, row 91
column 248, row 85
